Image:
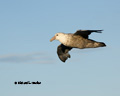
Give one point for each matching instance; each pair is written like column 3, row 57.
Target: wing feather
column 86, row 33
column 62, row 52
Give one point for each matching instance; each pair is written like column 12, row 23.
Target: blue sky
column 26, row 54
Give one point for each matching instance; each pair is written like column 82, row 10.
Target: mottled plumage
column 77, row 40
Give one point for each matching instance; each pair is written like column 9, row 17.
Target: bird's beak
column 53, row 38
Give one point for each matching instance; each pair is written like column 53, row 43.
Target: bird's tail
column 99, row 44
column 94, row 44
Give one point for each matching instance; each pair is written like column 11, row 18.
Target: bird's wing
column 85, row 33
column 62, row 52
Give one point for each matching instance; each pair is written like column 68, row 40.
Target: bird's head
column 58, row 36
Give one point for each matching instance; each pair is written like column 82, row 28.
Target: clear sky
column 26, row 54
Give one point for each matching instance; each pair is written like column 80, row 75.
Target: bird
column 79, row 39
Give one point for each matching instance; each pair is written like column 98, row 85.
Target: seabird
column 77, row 40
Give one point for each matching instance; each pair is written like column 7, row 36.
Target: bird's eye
column 56, row 34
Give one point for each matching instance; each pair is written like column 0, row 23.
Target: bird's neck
column 64, row 39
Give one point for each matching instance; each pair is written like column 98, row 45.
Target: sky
column 26, row 54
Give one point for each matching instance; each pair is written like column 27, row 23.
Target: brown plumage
column 77, row 40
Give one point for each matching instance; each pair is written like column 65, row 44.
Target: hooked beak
column 53, row 38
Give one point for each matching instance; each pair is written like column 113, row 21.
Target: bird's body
column 76, row 40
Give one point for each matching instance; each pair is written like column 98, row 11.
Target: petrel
column 77, row 40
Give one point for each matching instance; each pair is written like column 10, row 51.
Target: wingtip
column 63, row 60
column 99, row 31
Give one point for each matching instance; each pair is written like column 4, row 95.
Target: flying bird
column 77, row 40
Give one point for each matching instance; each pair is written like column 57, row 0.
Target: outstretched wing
column 62, row 52
column 85, row 33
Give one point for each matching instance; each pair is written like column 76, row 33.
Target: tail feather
column 101, row 44
column 94, row 44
